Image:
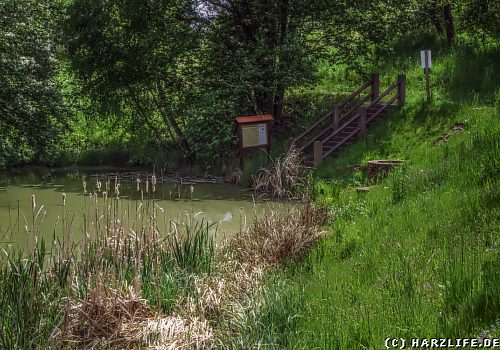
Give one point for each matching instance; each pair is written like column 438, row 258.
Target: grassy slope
column 418, row 256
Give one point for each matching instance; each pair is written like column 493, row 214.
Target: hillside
column 418, row 255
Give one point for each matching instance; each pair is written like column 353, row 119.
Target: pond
column 225, row 206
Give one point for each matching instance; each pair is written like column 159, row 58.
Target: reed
column 138, row 280
column 273, row 237
column 285, row 178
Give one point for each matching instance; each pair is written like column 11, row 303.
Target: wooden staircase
column 349, row 119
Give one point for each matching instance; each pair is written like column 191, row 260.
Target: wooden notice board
column 254, row 135
column 253, row 132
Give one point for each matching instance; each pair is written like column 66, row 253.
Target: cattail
column 84, row 187
column 64, row 199
column 33, row 202
column 105, row 195
column 241, row 220
column 98, row 185
column 142, row 195
column 192, row 191
column 153, row 183
column 138, row 182
column 147, row 185
column 107, row 184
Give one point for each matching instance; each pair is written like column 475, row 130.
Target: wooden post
column 427, row 77
column 318, row 153
column 362, row 120
column 336, row 118
column 241, row 159
column 401, row 89
column 427, row 84
column 375, row 86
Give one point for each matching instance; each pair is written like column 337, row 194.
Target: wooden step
column 348, row 132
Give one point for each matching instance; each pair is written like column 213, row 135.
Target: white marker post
column 426, row 62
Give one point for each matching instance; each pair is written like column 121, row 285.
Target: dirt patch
column 381, row 167
column 457, row 127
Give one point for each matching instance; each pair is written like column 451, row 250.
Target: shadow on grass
column 475, row 77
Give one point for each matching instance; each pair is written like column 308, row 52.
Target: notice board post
column 253, row 133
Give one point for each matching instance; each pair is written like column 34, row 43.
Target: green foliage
column 417, row 265
column 271, row 323
column 479, row 22
column 135, row 59
column 30, row 100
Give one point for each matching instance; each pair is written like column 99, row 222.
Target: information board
column 254, row 135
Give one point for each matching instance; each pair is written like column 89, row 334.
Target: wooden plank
column 375, row 82
column 362, row 120
column 318, row 153
column 401, row 89
column 336, row 118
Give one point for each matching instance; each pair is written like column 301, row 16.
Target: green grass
column 417, row 256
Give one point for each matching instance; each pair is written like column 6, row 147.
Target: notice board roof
column 254, row 119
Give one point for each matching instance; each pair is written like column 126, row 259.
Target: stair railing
column 362, row 117
column 333, row 119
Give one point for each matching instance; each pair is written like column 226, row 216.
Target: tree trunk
column 448, row 22
column 139, row 108
column 279, row 97
column 279, row 94
column 170, row 120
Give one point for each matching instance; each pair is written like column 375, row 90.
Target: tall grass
column 42, row 292
column 418, row 255
column 139, row 280
column 424, row 264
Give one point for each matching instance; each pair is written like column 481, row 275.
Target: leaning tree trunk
column 169, row 119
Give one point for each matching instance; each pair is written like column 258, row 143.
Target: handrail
column 384, row 107
column 381, row 96
column 345, row 120
column 354, row 94
column 341, row 128
column 310, row 142
column 329, row 114
column 309, row 129
column 363, row 100
column 344, row 125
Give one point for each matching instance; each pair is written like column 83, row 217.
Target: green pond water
column 226, row 206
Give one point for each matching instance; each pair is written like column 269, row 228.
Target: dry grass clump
column 276, row 236
column 222, row 297
column 170, row 332
column 285, row 178
column 120, row 319
column 103, row 318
